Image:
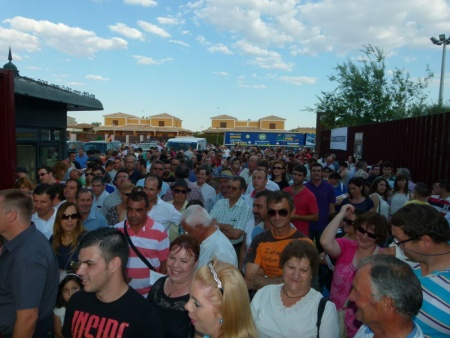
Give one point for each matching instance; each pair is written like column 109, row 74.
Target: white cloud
column 181, row 43
column 203, row 41
column 148, row 27
column 298, row 80
column 131, row 33
column 75, row 84
column 18, row 39
column 310, row 26
column 221, row 73
column 70, row 40
column 169, row 21
column 143, row 60
column 219, row 48
column 96, row 78
column 144, row 3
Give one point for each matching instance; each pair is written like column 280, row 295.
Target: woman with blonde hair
column 25, row 184
column 219, row 305
column 60, row 170
column 67, row 233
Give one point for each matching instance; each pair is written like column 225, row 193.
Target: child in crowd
column 68, row 286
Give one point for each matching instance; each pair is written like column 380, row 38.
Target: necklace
column 66, row 243
column 293, row 297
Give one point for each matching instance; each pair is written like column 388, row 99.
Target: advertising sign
column 265, row 139
column 338, row 139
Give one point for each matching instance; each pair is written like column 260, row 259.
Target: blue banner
column 265, row 139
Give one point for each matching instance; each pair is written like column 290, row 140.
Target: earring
column 221, row 320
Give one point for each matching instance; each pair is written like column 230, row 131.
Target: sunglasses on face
column 42, row 174
column 89, row 174
column 364, row 231
column 281, row 212
column 71, row 216
column 278, row 168
column 180, row 191
column 348, row 221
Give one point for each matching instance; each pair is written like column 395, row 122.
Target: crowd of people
column 223, row 242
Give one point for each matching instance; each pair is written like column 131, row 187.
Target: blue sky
column 198, row 59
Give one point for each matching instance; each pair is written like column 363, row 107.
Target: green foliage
column 366, row 94
column 98, row 124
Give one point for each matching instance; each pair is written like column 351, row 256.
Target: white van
column 182, row 143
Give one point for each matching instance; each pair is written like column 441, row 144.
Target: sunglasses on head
column 348, row 221
column 180, row 191
column 71, row 216
column 281, row 212
column 364, row 231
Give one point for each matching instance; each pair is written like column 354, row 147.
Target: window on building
column 272, row 126
column 115, row 122
column 223, row 124
column 161, row 123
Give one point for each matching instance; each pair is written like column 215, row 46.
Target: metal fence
column 421, row 144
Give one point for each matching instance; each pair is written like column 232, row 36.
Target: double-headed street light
column 444, row 42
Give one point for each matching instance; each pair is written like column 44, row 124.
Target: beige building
column 156, row 126
column 223, row 123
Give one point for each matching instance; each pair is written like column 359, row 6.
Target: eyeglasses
column 71, row 216
column 42, row 174
column 364, row 231
column 278, row 168
column 180, row 191
column 281, row 212
column 349, row 221
column 216, row 278
column 122, row 177
column 405, row 241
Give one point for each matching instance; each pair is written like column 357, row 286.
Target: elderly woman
column 372, row 230
column 169, row 294
column 291, row 309
column 219, row 305
column 67, row 233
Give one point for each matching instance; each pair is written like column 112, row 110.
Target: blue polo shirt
column 325, row 196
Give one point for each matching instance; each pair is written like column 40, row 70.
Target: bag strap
column 127, row 236
column 320, row 311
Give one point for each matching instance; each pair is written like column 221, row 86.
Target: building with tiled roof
column 160, row 126
column 223, row 123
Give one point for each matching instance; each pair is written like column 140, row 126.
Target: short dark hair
column 301, row 249
column 111, row 242
column 154, row 177
column 316, row 164
column 47, row 169
column 301, row 169
column 444, row 184
column 417, row 220
column 84, row 191
column 278, row 196
column 263, row 193
column 79, row 186
column 422, row 189
column 45, row 189
column 241, row 180
column 334, row 175
column 376, row 223
column 188, row 243
column 100, row 179
column 137, row 196
column 182, row 171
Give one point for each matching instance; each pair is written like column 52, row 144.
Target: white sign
column 338, row 139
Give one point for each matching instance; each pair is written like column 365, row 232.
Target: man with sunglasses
column 45, row 175
column 262, row 260
column 423, row 235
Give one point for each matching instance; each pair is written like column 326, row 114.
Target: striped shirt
column 153, row 243
column 434, row 315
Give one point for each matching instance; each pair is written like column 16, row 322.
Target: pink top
column 343, row 275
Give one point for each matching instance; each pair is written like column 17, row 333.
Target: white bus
column 182, row 143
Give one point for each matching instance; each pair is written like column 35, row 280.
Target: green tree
column 98, row 124
column 365, row 93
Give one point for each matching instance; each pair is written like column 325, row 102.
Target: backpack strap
column 320, row 311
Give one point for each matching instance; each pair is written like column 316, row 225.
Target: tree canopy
column 367, row 93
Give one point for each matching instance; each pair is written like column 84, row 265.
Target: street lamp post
column 444, row 42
